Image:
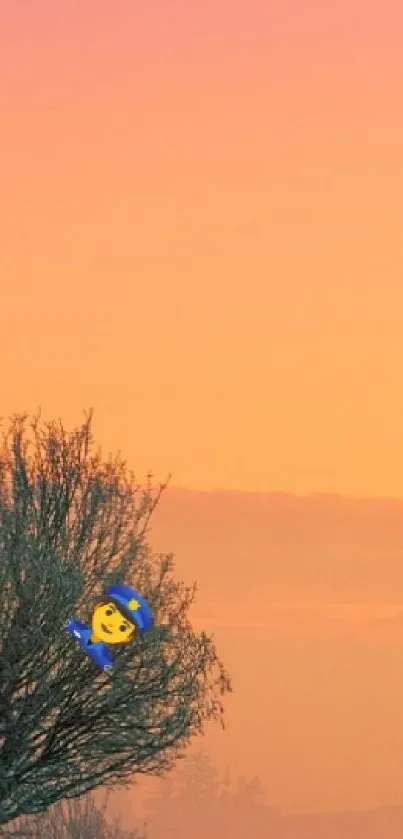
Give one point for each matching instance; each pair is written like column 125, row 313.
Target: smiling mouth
column 105, row 629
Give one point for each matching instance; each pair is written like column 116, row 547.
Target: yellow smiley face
column 110, row 626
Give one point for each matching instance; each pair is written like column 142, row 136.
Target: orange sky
column 201, row 237
column 200, row 210
column 304, row 596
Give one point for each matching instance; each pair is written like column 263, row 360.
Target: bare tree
column 71, row 524
column 79, row 818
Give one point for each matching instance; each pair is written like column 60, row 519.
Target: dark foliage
column 72, row 523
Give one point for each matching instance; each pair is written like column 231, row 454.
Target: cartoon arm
column 73, row 624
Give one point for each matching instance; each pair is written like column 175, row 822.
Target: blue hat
column 132, row 605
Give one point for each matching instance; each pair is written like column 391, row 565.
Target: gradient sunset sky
column 201, row 210
column 201, row 235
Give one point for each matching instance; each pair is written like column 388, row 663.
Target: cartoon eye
column 108, row 612
column 123, row 627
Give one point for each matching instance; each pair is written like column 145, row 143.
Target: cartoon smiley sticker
column 115, row 620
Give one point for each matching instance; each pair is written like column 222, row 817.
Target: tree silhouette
column 70, row 525
column 186, row 802
column 194, row 800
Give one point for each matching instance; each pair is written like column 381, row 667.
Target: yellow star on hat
column 133, row 605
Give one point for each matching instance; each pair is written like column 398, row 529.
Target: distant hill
column 382, row 823
column 319, row 547
column 305, row 598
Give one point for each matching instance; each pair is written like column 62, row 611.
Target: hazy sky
column 304, row 597
column 201, row 237
column 200, row 213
